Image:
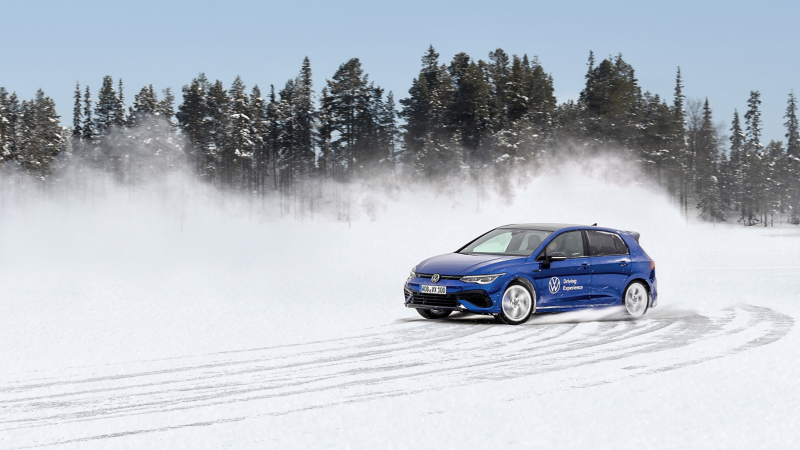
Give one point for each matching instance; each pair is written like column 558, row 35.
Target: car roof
column 543, row 226
column 565, row 226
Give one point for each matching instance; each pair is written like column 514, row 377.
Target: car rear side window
column 602, row 243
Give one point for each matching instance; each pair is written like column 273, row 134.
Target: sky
column 725, row 49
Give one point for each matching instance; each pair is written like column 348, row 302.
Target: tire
column 517, row 305
column 636, row 300
column 434, row 313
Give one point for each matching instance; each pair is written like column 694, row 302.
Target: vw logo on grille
column 435, row 278
column 555, row 285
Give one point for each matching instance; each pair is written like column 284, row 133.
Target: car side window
column 602, row 243
column 569, row 243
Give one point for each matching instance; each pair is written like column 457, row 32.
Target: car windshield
column 507, row 242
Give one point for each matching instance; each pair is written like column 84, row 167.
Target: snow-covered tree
column 107, row 109
column 793, row 158
column 77, row 114
column 238, row 156
column 469, row 114
column 40, row 135
column 193, row 120
column 754, row 163
column 260, row 134
column 88, row 121
column 737, row 162
column 9, row 124
column 118, row 117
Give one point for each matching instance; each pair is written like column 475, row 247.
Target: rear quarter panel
column 640, row 266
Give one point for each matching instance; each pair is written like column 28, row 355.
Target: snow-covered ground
column 135, row 322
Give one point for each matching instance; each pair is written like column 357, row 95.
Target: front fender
column 528, row 283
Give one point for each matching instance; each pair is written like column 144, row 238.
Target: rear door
column 610, row 266
column 564, row 284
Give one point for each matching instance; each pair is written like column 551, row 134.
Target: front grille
column 478, row 298
column 443, row 277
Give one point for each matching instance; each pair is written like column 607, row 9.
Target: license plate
column 428, row 289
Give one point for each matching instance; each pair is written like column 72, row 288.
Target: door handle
column 584, row 266
column 623, row 263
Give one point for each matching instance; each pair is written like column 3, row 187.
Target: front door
column 564, row 284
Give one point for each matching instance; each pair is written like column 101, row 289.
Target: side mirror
column 556, row 256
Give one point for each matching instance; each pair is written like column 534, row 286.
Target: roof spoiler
column 636, row 236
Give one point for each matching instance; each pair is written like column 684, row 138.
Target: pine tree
column 706, row 149
column 193, row 120
column 10, row 111
column 754, row 164
column 680, row 156
column 657, row 137
column 107, row 106
column 165, row 107
column 326, row 126
column 304, row 120
column 348, row 91
column 775, row 185
column 286, row 159
column 415, row 112
column 610, row 102
column 41, row 135
column 469, row 113
column 499, row 72
column 88, row 122
column 145, row 107
column 710, row 202
column 118, row 118
column 388, row 130
column 793, row 158
column 237, row 158
column 273, row 116
column 426, row 112
column 538, row 89
column 792, row 128
column 218, row 126
column 707, row 188
column 77, row 115
column 737, row 162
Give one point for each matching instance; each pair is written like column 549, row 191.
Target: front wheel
column 434, row 313
column 636, row 299
column 517, row 305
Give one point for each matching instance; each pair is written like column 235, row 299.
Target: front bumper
column 473, row 300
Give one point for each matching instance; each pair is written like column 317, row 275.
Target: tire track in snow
column 399, row 359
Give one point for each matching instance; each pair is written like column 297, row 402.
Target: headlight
column 481, row 279
column 413, row 274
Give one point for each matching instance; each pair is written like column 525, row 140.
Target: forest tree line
column 470, row 118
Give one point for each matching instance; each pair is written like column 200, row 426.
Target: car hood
column 461, row 264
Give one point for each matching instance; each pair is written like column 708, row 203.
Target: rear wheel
column 517, row 305
column 434, row 313
column 636, row 299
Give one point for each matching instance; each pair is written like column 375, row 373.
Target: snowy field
column 170, row 322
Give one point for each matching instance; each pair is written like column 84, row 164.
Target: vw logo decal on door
column 435, row 278
column 555, row 285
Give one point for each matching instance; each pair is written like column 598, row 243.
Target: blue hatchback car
column 514, row 271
